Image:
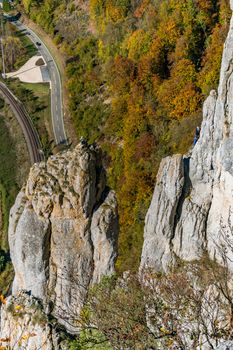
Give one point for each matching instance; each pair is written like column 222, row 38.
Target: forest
column 137, row 73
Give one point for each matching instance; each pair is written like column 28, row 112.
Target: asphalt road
column 56, row 87
column 30, row 134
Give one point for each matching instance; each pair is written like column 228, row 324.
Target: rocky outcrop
column 161, row 215
column 24, row 325
column 63, row 232
column 228, row 345
column 191, row 212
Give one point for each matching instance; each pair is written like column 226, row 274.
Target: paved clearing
column 33, row 71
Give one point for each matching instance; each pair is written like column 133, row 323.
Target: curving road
column 56, row 87
column 30, row 134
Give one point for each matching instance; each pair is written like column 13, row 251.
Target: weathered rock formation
column 191, row 212
column 24, row 325
column 226, row 346
column 63, row 234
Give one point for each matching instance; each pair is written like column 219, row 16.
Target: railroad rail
column 30, row 134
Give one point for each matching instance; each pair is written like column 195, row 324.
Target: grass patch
column 36, row 99
column 41, row 90
column 42, row 115
column 8, row 183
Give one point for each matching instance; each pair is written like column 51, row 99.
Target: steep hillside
column 137, row 75
column 63, row 229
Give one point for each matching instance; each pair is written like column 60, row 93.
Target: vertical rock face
column 161, row 215
column 63, row 232
column 202, row 197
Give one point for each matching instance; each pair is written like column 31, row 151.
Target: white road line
column 56, row 68
column 48, row 57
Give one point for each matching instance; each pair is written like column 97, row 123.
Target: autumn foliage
column 138, row 72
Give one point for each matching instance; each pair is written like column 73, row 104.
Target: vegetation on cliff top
column 138, row 71
column 182, row 310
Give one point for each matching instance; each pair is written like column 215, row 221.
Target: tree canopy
column 138, row 72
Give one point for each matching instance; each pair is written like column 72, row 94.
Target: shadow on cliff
column 187, row 187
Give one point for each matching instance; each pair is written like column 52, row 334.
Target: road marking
column 48, row 57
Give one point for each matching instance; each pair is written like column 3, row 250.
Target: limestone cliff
column 191, row 212
column 63, row 235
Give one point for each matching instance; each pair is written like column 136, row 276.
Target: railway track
column 57, row 112
column 30, row 134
